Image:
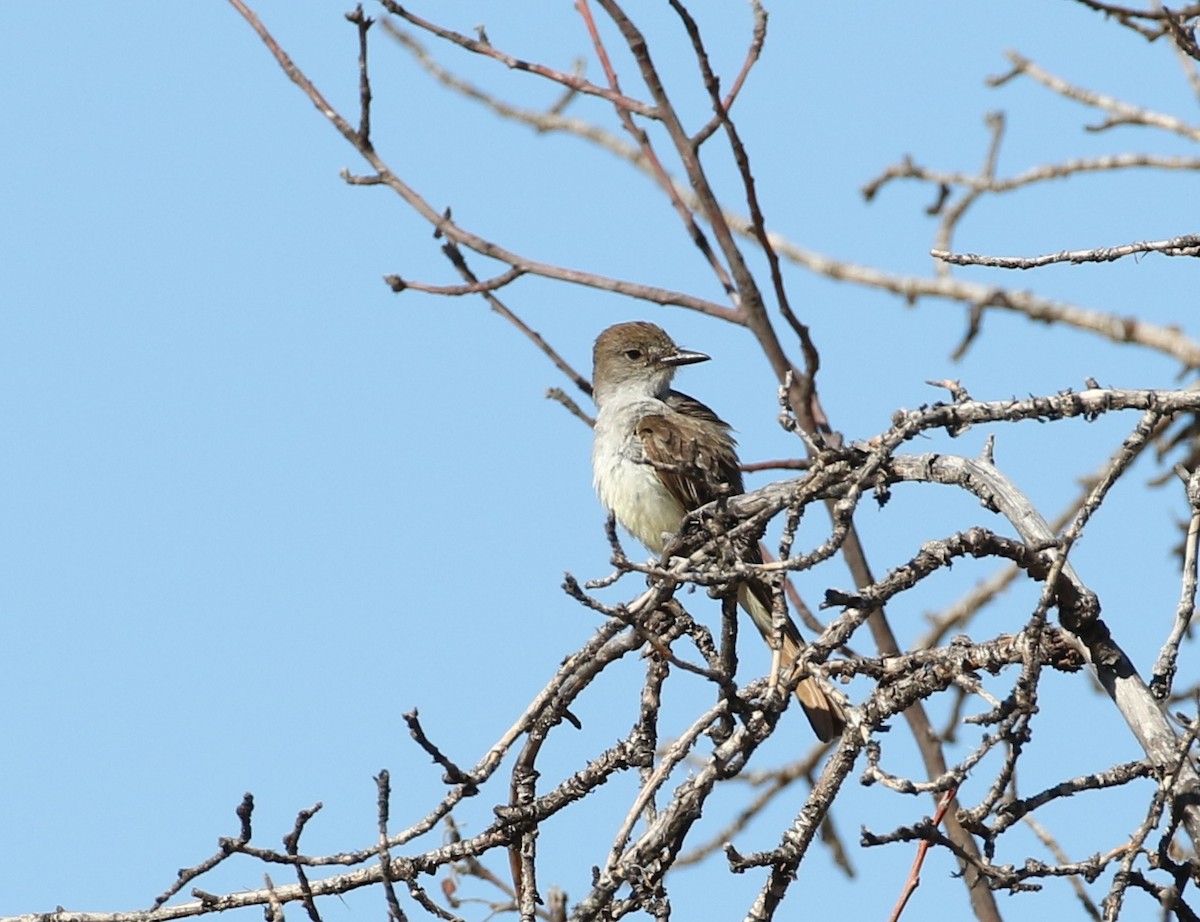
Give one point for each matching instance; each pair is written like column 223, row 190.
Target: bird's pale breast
column 629, row 486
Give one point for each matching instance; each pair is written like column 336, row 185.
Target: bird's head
column 638, row 358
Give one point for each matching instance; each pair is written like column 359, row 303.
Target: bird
column 658, row 454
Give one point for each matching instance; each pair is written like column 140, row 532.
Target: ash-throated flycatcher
column 659, row 454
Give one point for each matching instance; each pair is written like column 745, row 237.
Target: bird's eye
column 633, row 354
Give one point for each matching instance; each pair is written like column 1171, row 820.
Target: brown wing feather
column 696, row 461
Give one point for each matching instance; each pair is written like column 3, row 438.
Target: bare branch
column 1120, row 113
column 483, row 47
column 1187, row 245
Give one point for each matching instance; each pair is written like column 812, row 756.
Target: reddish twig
column 653, row 164
column 572, row 81
column 752, row 54
column 453, row 291
column 914, row 875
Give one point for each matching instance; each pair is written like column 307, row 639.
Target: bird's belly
column 632, row 491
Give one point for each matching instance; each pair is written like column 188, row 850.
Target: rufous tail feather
column 823, row 712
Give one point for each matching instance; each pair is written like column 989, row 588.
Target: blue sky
column 256, row 505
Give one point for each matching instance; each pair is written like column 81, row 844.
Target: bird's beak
column 680, row 357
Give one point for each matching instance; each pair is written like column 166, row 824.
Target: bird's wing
column 692, row 450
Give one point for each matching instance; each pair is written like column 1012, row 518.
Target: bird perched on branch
column 659, row 454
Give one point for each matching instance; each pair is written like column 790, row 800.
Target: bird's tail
column 823, row 711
